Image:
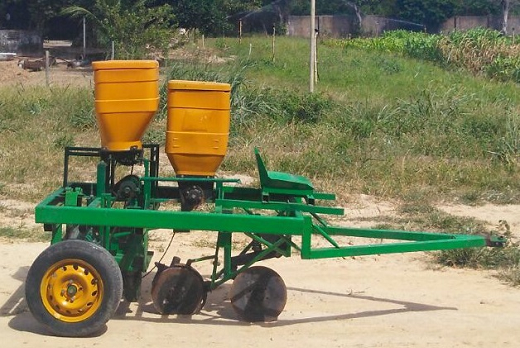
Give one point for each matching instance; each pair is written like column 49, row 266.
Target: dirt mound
column 10, row 71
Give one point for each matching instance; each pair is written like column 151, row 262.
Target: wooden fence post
column 47, row 68
column 240, row 31
column 273, row 43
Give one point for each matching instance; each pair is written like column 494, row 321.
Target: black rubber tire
column 258, row 294
column 98, row 260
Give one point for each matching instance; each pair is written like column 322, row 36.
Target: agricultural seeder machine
column 100, row 228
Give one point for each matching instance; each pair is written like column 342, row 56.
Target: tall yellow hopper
column 127, row 97
column 197, row 126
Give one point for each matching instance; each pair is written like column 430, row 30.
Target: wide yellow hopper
column 127, row 97
column 197, row 126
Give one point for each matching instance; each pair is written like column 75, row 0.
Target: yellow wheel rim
column 72, row 290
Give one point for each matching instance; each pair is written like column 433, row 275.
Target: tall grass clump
column 506, row 260
column 381, row 124
column 248, row 100
column 252, row 105
column 36, row 123
column 186, row 70
column 412, row 44
column 422, row 216
column 480, row 51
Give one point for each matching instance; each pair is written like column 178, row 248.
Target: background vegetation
column 385, row 123
column 480, row 51
column 215, row 17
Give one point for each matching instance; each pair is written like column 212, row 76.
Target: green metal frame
column 279, row 216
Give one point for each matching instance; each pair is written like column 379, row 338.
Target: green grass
column 31, row 235
column 379, row 124
column 425, row 217
column 35, row 124
column 480, row 51
column 384, row 124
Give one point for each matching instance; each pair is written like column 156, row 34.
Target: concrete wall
column 493, row 22
column 22, row 42
column 329, row 26
column 376, row 25
column 335, row 26
column 341, row 26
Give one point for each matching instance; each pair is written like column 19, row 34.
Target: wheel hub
column 71, row 290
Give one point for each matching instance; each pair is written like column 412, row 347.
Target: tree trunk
column 506, row 4
column 358, row 14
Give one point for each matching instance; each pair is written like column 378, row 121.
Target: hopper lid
column 198, row 85
column 125, row 64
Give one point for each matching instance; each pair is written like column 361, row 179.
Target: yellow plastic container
column 127, row 97
column 197, row 126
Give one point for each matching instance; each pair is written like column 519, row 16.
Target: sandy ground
column 59, row 75
column 397, row 300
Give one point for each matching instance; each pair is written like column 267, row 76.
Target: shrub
column 481, row 51
column 136, row 30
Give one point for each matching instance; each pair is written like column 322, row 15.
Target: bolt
column 71, row 291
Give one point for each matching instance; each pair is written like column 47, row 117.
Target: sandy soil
column 374, row 301
column 59, row 75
